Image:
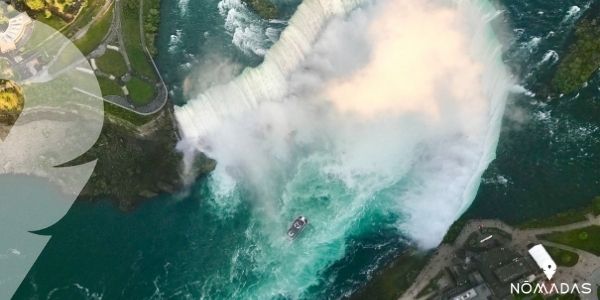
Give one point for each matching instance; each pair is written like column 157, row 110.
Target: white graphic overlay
column 543, row 260
column 61, row 119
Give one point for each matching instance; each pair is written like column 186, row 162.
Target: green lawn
column 112, row 62
column 84, row 18
column 587, row 239
column 454, row 231
column 563, row 218
column 95, row 33
column 131, row 34
column 394, row 279
column 140, row 91
column 562, row 257
column 567, row 217
column 53, row 21
column 109, row 87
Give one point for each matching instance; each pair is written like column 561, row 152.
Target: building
column 543, row 260
column 480, row 292
column 15, row 31
column 512, row 271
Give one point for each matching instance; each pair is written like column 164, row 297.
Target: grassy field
column 563, row 218
column 454, row 231
column 112, row 62
column 133, row 118
column 90, row 40
column 84, row 18
column 109, row 87
column 52, row 20
column 562, row 257
column 140, row 91
column 131, row 34
column 587, row 239
column 97, row 31
column 395, row 279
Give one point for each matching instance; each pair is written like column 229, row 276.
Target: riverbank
column 394, row 279
column 136, row 156
column 136, row 153
column 577, row 264
column 264, row 8
column 135, row 163
column 582, row 58
column 546, row 168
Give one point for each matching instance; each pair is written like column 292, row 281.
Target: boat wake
column 356, row 118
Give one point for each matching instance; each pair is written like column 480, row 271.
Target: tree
column 35, row 4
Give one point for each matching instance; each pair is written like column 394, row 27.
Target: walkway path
column 587, row 268
column 115, row 34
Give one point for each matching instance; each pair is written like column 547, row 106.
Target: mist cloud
column 395, row 109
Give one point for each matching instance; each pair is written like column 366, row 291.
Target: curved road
column 587, row 268
column 115, row 31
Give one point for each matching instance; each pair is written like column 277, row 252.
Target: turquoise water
column 194, row 246
column 547, row 158
column 196, row 34
column 279, row 157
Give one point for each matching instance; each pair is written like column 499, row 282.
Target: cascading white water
column 393, row 108
column 266, row 82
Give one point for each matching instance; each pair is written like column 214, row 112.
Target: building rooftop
column 512, row 271
column 14, row 32
column 543, row 260
column 479, row 292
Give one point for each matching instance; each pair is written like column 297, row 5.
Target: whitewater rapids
column 359, row 112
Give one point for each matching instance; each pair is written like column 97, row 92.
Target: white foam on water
column 572, row 13
column 183, row 6
column 532, row 44
column 352, row 114
column 519, row 89
column 550, row 56
column 175, row 41
column 249, row 33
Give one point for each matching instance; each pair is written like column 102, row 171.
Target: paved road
column 115, row 35
column 594, row 279
column 586, row 270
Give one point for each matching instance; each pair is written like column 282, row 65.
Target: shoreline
column 147, row 163
column 136, row 152
column 386, row 275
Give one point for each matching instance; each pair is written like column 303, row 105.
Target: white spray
column 393, row 108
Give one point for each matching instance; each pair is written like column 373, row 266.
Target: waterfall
column 266, row 82
column 385, row 116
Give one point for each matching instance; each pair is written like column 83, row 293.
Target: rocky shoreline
column 135, row 163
